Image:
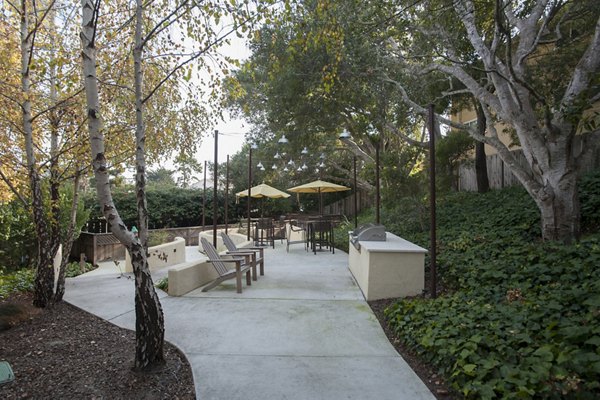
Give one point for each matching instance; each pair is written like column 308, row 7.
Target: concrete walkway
column 303, row 331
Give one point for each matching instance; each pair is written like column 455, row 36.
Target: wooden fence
column 345, row 206
column 500, row 176
column 104, row 246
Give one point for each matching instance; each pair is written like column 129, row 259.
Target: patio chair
column 264, row 234
column 279, row 229
column 294, row 229
column 321, row 235
column 257, row 253
column 241, row 266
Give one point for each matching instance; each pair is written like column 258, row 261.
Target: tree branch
column 587, row 66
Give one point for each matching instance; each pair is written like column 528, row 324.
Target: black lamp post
column 377, row 184
column 252, row 147
column 227, row 196
column 215, row 182
column 432, row 216
column 345, row 135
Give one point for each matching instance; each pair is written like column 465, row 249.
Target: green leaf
column 469, row 368
column 545, row 353
column 595, row 340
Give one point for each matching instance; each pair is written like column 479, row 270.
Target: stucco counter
column 386, row 269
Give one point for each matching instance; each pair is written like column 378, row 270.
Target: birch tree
column 43, row 115
column 148, row 29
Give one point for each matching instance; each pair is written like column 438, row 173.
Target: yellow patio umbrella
column 319, row 187
column 261, row 191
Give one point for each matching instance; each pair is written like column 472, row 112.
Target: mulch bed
column 425, row 371
column 63, row 352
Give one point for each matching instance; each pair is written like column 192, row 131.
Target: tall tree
column 151, row 40
column 541, row 61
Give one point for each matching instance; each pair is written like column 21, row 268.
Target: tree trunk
column 59, row 291
column 44, row 278
column 149, row 315
column 481, row 172
column 558, row 202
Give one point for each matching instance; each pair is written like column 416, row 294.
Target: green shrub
column 589, row 195
column 163, row 284
column 168, row 207
column 158, row 237
column 74, row 269
column 19, row 281
column 17, row 236
column 520, row 319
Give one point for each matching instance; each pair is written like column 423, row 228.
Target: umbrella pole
column 320, row 202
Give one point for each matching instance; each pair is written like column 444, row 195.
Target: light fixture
column 322, row 165
column 285, row 169
column 283, row 140
column 259, row 165
column 304, row 151
column 262, row 168
column 277, row 156
column 316, row 170
column 345, row 135
column 299, row 169
column 291, row 162
column 304, row 167
column 274, row 167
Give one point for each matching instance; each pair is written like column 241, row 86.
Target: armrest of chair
column 259, row 249
column 242, row 253
column 227, row 260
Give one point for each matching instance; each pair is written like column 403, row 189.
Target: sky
column 231, row 130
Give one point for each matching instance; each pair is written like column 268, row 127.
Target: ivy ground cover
column 519, row 318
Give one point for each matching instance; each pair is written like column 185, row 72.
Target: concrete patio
column 302, row 331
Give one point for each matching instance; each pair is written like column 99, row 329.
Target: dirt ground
column 65, row 353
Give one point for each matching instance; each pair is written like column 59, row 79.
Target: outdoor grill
column 368, row 233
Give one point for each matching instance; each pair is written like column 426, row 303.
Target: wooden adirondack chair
column 241, row 266
column 257, row 253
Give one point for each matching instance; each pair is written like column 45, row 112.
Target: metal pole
column 227, row 196
column 204, row 198
column 377, row 198
column 432, row 223
column 215, row 181
column 249, row 187
column 355, row 194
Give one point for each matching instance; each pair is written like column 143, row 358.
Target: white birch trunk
column 149, row 316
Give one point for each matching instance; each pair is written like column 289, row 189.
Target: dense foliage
column 19, row 281
column 18, row 245
column 518, row 318
column 168, row 206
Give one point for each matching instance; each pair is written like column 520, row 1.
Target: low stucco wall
column 394, row 268
column 163, row 255
column 189, row 276
column 237, row 238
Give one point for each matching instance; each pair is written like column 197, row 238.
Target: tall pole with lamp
column 345, row 135
column 227, row 196
column 432, row 222
column 204, row 198
column 215, row 181
column 251, row 147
